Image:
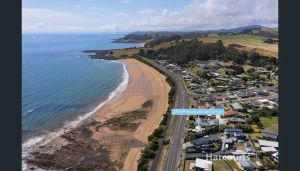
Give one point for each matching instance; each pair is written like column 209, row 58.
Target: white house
column 205, row 165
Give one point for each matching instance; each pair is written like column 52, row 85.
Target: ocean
column 60, row 86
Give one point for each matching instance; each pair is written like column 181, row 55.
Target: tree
column 142, row 52
column 147, row 153
column 154, row 145
column 245, row 127
column 158, row 131
column 142, row 164
column 255, row 119
column 151, row 137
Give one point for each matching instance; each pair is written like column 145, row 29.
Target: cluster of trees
column 160, row 40
column 234, row 70
column 185, row 51
column 245, row 127
column 265, row 112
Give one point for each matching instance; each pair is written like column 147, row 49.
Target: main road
column 181, row 101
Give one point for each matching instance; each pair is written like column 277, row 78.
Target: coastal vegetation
column 150, row 151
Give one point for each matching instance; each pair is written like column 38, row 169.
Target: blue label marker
column 197, row 111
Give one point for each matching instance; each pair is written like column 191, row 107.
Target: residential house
column 269, row 135
column 236, row 106
column 231, row 97
column 242, row 94
column 231, row 113
column 203, row 165
column 234, row 132
column 219, row 98
column 236, row 120
column 265, row 143
column 268, row 150
column 206, row 142
column 246, row 163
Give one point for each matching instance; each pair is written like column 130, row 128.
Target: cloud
column 146, row 12
column 164, row 12
column 43, row 15
column 214, row 14
column 44, row 20
column 197, row 15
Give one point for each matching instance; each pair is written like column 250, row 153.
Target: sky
column 90, row 16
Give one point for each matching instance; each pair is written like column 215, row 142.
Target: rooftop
column 233, row 130
column 268, row 143
column 268, row 149
column 236, row 106
column 204, row 164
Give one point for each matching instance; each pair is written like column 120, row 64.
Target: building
column 231, row 113
column 236, row 106
column 275, row 156
column 236, row 120
column 269, row 135
column 204, row 143
column 219, row 98
column 246, row 163
column 243, row 94
column 265, row 143
column 231, row 97
column 254, row 104
column 233, row 132
column 268, row 150
column 203, row 165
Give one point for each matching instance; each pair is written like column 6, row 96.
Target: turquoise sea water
column 59, row 84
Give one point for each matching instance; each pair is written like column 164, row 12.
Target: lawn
column 233, row 165
column 270, row 123
column 220, row 165
column 251, row 43
column 193, row 70
column 254, row 135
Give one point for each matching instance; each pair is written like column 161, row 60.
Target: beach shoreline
column 121, row 143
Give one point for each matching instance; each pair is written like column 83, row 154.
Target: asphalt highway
column 181, row 101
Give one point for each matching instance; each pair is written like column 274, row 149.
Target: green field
column 250, row 42
column 220, row 165
column 232, row 164
column 270, row 123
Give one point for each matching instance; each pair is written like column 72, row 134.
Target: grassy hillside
column 121, row 52
column 247, row 42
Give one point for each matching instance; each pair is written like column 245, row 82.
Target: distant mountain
column 142, row 36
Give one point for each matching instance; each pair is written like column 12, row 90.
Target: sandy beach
column 119, row 129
